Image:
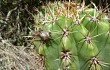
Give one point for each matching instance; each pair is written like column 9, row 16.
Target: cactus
column 72, row 36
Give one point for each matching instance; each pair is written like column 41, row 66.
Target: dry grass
column 18, row 58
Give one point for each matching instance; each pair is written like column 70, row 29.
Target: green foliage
column 72, row 36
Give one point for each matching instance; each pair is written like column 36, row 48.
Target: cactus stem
column 72, row 29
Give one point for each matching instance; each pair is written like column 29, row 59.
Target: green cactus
column 71, row 36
